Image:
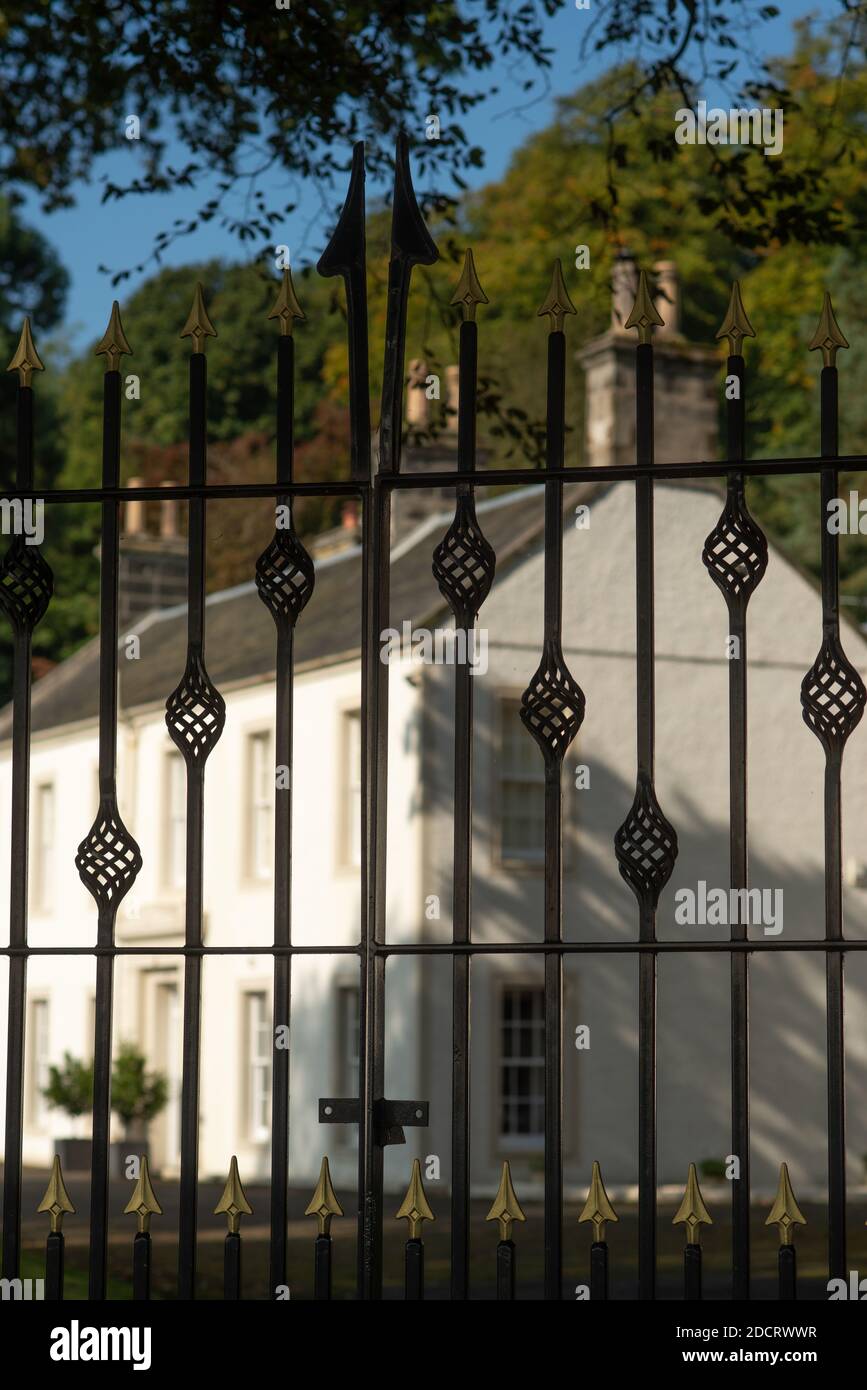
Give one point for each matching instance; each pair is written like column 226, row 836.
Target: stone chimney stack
column 686, row 380
column 152, row 571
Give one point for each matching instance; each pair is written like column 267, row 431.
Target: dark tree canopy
column 263, row 97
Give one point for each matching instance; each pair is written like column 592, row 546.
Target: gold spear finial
column 505, row 1207
column 56, row 1200
column 828, row 335
column 198, row 325
column 286, row 306
column 785, row 1214
column 26, row 359
column 469, row 293
column 736, row 326
column 557, row 303
column 415, row 1206
column 598, row 1208
column 324, row 1204
column 644, row 312
column 692, row 1211
column 113, row 342
column 233, row 1201
column 143, row 1202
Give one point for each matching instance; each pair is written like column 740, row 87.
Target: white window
column 261, row 774
column 521, row 785
column 39, row 1045
column 352, row 788
column 176, row 821
column 258, row 1050
column 522, row 1066
column 43, row 878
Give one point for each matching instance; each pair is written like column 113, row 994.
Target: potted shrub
column 714, row 1169
column 137, row 1097
column 70, row 1088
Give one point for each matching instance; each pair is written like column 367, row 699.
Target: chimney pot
column 134, row 521
column 416, row 399
column 169, row 515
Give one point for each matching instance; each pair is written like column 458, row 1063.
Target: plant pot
column 119, row 1150
column 74, row 1155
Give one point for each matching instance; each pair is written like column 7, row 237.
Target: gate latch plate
column 389, row 1116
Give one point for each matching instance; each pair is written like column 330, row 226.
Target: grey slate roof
column 240, row 633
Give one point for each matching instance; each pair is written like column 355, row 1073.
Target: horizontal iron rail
column 437, row 948
column 754, row 468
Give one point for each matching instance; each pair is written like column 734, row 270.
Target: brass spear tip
column 233, row 1201
column 143, row 1202
column 692, row 1211
column 644, row 315
column 56, row 1200
column 469, row 293
column 286, row 307
column 505, row 1207
column 736, row 325
column 324, row 1204
column 25, row 360
column 415, row 1207
column 785, row 1213
column 198, row 325
column 598, row 1208
column 113, row 342
column 557, row 303
column 828, row 335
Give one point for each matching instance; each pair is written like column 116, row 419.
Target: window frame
column 42, row 903
column 174, row 760
column 349, row 791
column 254, row 871
column 256, row 1064
column 37, row 1066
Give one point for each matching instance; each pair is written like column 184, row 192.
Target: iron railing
column 552, row 710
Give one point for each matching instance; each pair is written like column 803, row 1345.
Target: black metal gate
column 108, row 858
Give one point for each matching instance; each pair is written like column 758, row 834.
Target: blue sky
column 121, row 234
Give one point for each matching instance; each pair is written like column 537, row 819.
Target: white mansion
column 785, row 806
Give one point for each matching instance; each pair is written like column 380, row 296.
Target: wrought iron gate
column 108, row 858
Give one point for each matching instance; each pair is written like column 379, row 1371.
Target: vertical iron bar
column 599, row 1270
column 787, row 1266
column 189, row 1180
column 19, row 830
column 232, row 1267
column 141, row 1267
column 410, row 245
column 505, row 1270
column 54, row 1267
column 414, row 1271
column 462, row 844
column 834, row 960
column 553, row 908
column 647, row 918
column 692, row 1273
column 322, row 1268
column 108, row 636
column 376, row 522
column 346, row 255
column 282, row 853
column 739, row 869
